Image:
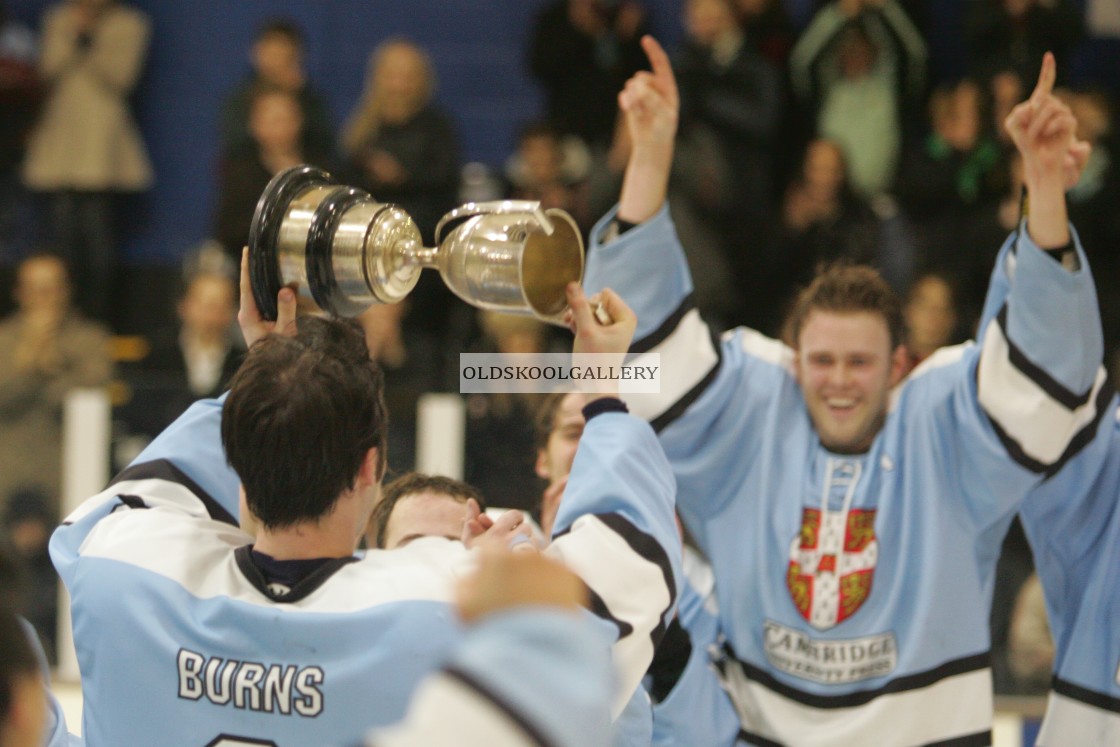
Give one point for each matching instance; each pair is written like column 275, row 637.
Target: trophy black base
column 264, row 256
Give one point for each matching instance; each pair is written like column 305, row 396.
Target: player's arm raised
column 650, row 104
column 615, row 526
column 1040, row 378
column 1043, row 129
column 1048, row 219
column 645, row 262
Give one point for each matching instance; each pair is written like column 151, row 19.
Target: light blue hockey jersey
column 854, row 590
column 1073, row 523
column 520, row 679
column 181, row 644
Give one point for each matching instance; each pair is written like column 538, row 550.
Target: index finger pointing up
column 662, row 69
column 1046, row 76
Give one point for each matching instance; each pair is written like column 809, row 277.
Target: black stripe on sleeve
column 1015, row 451
column 523, row 722
column 643, row 544
column 1096, row 699
column 670, row 659
column 602, row 405
column 662, row 421
column 1089, row 432
column 861, row 697
column 1079, row 441
column 162, row 469
column 1056, row 390
column 599, row 608
column 662, row 333
column 650, row 550
column 132, row 501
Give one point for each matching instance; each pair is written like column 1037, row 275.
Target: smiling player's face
column 846, row 368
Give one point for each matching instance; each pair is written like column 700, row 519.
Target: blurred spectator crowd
column 798, row 144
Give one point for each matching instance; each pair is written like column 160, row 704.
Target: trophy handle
column 496, row 207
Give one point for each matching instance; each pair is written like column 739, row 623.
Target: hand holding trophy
column 346, row 251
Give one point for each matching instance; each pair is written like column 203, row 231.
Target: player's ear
column 373, row 467
column 541, row 467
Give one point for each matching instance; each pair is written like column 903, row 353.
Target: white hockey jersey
column 181, row 643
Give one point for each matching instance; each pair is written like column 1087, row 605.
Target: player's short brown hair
column 846, row 288
column 411, row 483
column 544, row 419
column 301, row 415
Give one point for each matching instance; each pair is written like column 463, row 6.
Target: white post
column 1007, row 730
column 86, row 426
column 441, row 424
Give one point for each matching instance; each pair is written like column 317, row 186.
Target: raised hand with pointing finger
column 1044, row 131
column 650, row 100
column 1042, row 127
column 651, row 104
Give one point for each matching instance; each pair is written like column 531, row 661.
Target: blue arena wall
column 200, row 49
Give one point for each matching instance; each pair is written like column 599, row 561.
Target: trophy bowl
column 346, row 251
column 511, row 256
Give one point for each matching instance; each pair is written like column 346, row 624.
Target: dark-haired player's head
column 305, row 424
column 415, row 505
column 846, row 330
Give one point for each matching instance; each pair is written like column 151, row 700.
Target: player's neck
column 322, row 539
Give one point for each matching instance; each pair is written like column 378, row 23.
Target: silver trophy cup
column 346, row 251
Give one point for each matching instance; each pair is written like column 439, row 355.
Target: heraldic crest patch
column 832, row 564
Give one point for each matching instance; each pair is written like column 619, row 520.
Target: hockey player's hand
column 482, row 531
column 605, row 335
column 592, row 335
column 650, row 105
column 1044, row 130
column 650, row 101
column 253, row 325
column 505, row 580
column 1075, row 161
